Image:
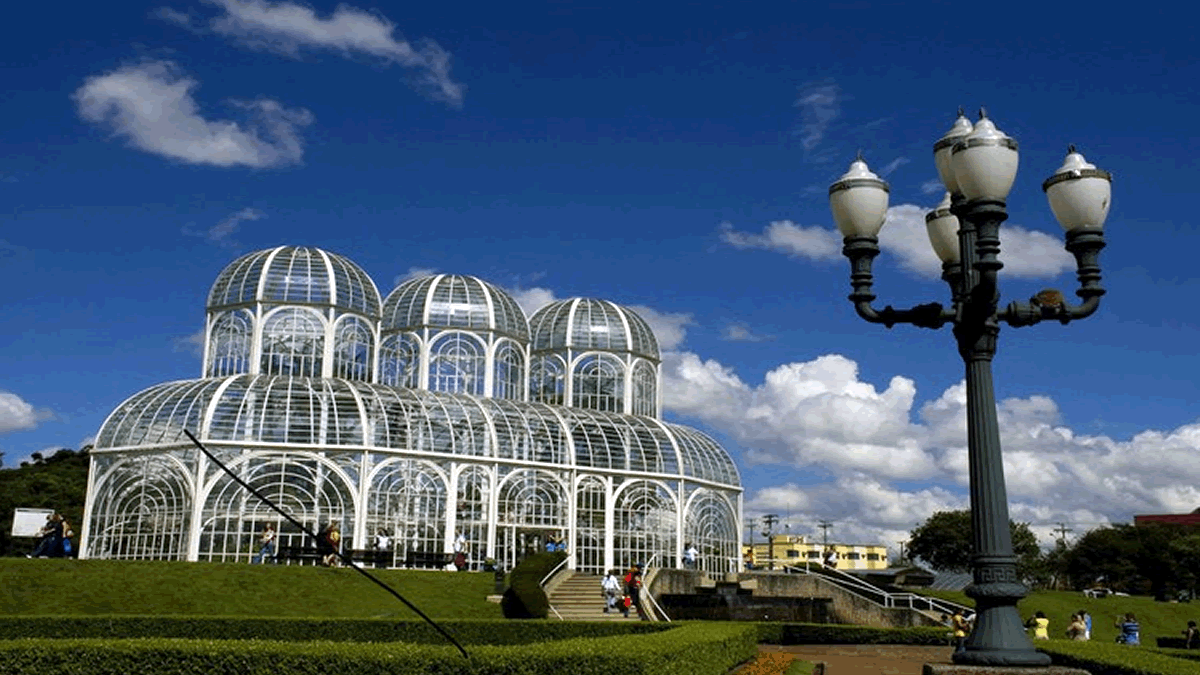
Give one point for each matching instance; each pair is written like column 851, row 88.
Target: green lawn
column 57, row 587
column 1158, row 619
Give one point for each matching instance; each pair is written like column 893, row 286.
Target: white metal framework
column 434, row 413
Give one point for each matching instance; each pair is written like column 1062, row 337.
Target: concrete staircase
column 577, row 598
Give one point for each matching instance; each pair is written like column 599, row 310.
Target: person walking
column 633, row 590
column 266, row 545
column 610, row 586
column 689, row 557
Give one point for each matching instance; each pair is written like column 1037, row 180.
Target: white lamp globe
column 942, row 227
column 984, row 162
column 859, row 201
column 1079, row 193
column 943, row 147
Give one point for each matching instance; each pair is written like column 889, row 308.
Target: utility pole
column 769, row 521
column 1062, row 531
column 750, row 528
column 825, row 525
column 902, row 544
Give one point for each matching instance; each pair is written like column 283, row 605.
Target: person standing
column 1130, row 630
column 610, row 585
column 1191, row 636
column 961, row 629
column 1040, row 625
column 689, row 557
column 633, row 590
column 266, row 545
column 328, row 543
column 1077, row 629
column 831, row 558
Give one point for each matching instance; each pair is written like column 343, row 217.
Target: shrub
column 700, row 649
column 525, row 598
column 288, row 629
column 840, row 634
column 1102, row 658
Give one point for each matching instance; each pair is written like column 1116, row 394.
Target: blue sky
column 674, row 157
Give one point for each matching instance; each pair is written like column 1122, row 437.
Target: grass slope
column 58, row 587
column 1158, row 619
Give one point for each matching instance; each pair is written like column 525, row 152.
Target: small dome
column 585, row 323
column 454, row 301
column 295, row 275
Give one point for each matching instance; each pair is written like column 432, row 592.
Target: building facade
column 797, row 551
column 437, row 412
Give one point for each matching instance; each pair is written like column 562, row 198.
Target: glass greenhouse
column 437, row 414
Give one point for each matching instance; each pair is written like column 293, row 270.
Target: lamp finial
column 1070, row 148
column 982, row 113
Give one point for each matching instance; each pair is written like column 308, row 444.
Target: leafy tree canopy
column 944, row 541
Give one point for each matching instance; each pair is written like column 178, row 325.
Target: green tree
column 1154, row 559
column 944, row 541
column 57, row 481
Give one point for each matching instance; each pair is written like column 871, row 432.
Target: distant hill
column 57, row 481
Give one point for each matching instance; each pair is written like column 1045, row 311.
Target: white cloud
column 1025, row 253
column 819, row 106
column 933, row 187
column 413, row 273
column 222, row 232
column 669, row 327
column 192, row 343
column 813, row 243
column 893, row 165
column 740, row 332
column 817, row 417
column 288, row 28
column 151, row 105
column 18, row 415
column 532, row 299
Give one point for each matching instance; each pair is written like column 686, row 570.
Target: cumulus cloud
column 151, row 105
column 740, row 332
column 222, row 232
column 192, row 343
column 813, row 243
column 1025, row 253
column 18, row 415
column 413, row 273
column 872, row 447
column 819, row 105
column 532, row 299
column 288, row 28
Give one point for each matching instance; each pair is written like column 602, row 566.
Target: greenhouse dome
column 440, row 446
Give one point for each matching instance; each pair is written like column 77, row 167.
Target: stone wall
column 843, row 606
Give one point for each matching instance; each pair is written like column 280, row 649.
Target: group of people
column 623, row 594
column 1080, row 627
column 54, row 539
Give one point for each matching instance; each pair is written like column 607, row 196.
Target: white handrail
column 658, row 610
column 862, row 589
column 554, row 571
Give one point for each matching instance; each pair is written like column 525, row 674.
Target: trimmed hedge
column 841, row 634
column 287, row 629
column 700, row 649
column 525, row 598
column 1102, row 658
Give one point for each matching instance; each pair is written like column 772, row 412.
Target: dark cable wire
column 345, row 558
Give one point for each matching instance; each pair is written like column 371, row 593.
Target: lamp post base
column 957, row 669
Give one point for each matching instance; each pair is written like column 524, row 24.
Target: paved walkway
column 866, row 659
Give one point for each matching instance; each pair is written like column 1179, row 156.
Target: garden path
column 866, row 659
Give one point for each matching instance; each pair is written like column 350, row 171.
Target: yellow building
column 797, row 551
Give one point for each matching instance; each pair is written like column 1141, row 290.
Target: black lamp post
column 978, row 165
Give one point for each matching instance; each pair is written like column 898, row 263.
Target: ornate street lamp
column 977, row 164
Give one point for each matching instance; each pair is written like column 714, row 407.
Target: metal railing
column 867, row 591
column 546, row 579
column 658, row 610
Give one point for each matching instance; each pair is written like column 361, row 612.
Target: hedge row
column 287, row 629
column 840, row 634
column 700, row 649
column 525, row 598
column 1102, row 658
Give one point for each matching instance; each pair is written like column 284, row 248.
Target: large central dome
column 585, row 324
column 454, row 301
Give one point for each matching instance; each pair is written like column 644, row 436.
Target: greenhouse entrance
column 518, row 543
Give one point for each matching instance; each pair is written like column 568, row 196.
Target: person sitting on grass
column 1130, row 630
column 1040, row 625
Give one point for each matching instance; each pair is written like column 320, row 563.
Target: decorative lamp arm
column 862, row 251
column 1085, row 245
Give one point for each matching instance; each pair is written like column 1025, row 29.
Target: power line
column 825, row 525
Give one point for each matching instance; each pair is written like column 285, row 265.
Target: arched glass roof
column 454, row 301
column 586, row 323
column 295, row 275
column 310, row 413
